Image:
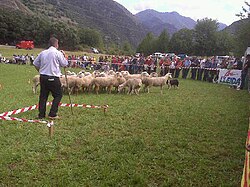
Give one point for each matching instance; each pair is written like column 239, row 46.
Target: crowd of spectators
column 18, row 59
column 199, row 68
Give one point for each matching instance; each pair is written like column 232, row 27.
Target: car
column 170, row 55
column 137, row 54
column 182, row 56
column 94, row 50
column 158, row 55
column 25, row 44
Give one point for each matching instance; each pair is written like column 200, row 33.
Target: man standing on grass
column 48, row 64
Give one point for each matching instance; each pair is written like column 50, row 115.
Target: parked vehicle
column 158, row 55
column 94, row 50
column 170, row 55
column 25, row 44
column 182, row 56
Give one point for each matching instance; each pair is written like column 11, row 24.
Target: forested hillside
column 113, row 22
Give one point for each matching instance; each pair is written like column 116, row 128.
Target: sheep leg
column 96, row 89
column 129, row 90
column 109, row 88
column 137, row 91
column 34, row 87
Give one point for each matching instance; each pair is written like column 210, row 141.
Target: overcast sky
column 221, row 10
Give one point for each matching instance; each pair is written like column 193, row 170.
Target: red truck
column 28, row 44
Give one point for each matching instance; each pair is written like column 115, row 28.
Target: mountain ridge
column 172, row 21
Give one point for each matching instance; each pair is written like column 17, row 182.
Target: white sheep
column 136, row 76
column 87, row 83
column 71, row 83
column 108, row 82
column 134, row 85
column 103, row 82
column 118, row 80
column 156, row 81
column 36, row 82
column 153, row 74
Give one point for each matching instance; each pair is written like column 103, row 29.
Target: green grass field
column 191, row 136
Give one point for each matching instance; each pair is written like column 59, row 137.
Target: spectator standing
column 186, row 66
column 178, row 68
column 213, row 71
column 32, row 59
column 201, row 69
column 194, row 64
column 245, row 74
column 206, row 71
column 172, row 67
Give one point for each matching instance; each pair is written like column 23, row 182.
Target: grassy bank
column 191, row 136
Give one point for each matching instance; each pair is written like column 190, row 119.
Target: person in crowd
column 154, row 66
column 114, row 65
column 194, row 65
column 230, row 63
column 141, row 63
column 185, row 67
column 238, row 64
column 201, row 67
column 147, row 65
column 32, row 59
column 162, row 66
column 206, row 70
column 245, row 75
column 133, row 65
column 48, row 64
column 172, row 67
column 213, row 71
column 178, row 67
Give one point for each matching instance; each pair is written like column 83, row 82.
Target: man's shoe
column 38, row 117
column 54, row 117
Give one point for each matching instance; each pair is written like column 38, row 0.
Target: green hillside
column 114, row 22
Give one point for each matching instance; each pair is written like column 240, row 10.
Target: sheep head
column 168, row 76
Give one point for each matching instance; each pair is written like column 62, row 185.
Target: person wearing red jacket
column 178, row 67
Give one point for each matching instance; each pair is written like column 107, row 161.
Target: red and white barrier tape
column 148, row 65
column 6, row 115
column 21, row 110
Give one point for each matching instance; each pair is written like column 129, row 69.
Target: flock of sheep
column 87, row 81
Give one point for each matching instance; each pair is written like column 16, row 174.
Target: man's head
column 53, row 42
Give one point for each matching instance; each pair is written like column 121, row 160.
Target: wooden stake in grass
column 105, row 108
column 51, row 128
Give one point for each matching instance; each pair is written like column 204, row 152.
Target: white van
column 158, row 55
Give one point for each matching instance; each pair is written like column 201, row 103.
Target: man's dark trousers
column 49, row 84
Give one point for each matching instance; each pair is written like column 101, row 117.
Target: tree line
column 203, row 40
column 16, row 26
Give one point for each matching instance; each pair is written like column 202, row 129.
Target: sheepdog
column 173, row 83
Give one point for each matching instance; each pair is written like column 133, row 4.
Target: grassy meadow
column 191, row 136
